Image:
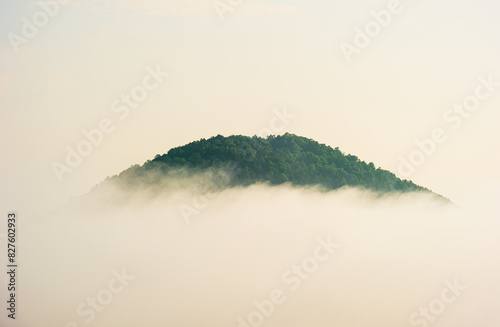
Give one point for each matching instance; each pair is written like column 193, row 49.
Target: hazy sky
column 226, row 76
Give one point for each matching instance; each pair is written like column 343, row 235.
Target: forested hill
column 274, row 160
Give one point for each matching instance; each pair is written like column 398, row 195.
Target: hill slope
column 274, row 160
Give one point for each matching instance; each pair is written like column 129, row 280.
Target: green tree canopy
column 276, row 160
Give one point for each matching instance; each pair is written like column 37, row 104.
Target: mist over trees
column 273, row 160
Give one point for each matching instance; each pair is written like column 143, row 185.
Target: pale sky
column 229, row 76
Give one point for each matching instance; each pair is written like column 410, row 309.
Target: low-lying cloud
column 259, row 256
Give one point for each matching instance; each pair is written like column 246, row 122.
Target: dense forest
column 274, row 160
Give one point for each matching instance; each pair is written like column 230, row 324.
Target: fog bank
column 260, row 256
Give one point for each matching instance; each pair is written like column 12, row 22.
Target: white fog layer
column 261, row 256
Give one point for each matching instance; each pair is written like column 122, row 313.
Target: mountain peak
column 274, row 160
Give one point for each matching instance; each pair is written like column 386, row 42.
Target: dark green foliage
column 277, row 160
